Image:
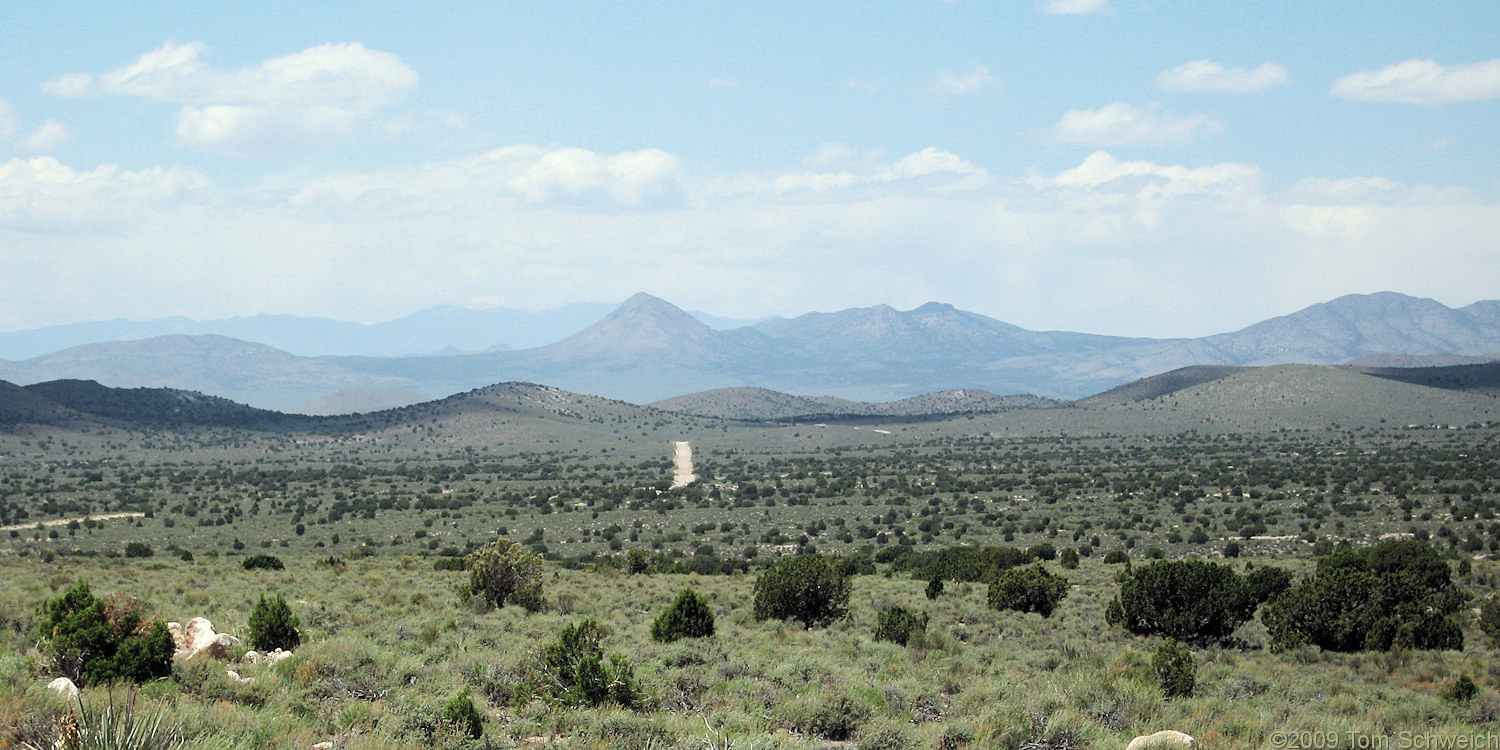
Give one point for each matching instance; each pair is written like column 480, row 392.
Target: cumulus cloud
column 1422, row 82
column 949, row 84
column 42, row 193
column 1101, row 170
column 929, row 169
column 1121, row 124
column 514, row 175
column 1207, row 76
column 1075, row 7
column 298, row 102
column 50, row 135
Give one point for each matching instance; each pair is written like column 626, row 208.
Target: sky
column 1133, row 167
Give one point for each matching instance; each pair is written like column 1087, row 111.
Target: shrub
column 273, row 625
column 1394, row 594
column 885, row 735
column 804, row 588
column 1043, row 551
column 463, row 715
column 1116, row 556
column 577, row 674
column 263, row 562
column 450, row 563
column 95, row 641
column 501, row 570
column 934, row 588
column 832, row 717
column 1265, row 583
column 1175, row 669
column 138, row 549
column 1489, row 619
column 1189, row 600
column 898, row 625
column 1030, row 589
column 1232, row 549
column 1068, row 558
column 1462, row 690
column 688, row 617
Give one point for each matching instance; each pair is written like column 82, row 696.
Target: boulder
column 1167, row 739
column 266, row 657
column 197, row 638
column 64, row 687
column 235, row 676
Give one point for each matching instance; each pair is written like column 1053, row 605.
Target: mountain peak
column 641, row 324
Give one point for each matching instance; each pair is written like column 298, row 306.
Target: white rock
column 64, row 687
column 233, row 675
column 323, row 746
column 198, row 638
column 1166, row 739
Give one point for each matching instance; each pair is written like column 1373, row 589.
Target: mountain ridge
column 646, row 350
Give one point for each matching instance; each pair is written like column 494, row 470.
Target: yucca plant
column 114, row 727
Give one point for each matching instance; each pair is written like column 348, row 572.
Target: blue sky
column 1113, row 166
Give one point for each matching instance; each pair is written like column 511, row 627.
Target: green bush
column 1175, row 669
column 138, row 549
column 450, row 563
column 1115, row 557
column 885, row 735
column 263, row 562
column 578, row 675
column 1030, row 589
column 1489, row 619
column 502, row 570
column 462, row 714
column 1068, row 558
column 898, row 625
column 934, row 588
column 1394, row 594
column 1043, row 551
column 273, row 625
column 1462, row 690
column 804, row 588
column 834, row 717
column 1265, row 583
column 1189, row 600
column 94, row 641
column 688, row 617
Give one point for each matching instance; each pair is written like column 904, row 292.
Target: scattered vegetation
column 273, row 625
column 504, row 570
column 1030, row 589
column 96, row 641
column 899, row 625
column 690, row 616
column 1189, row 600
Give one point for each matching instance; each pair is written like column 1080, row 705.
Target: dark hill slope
column 159, row 406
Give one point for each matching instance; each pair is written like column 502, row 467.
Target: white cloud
column 1422, row 82
column 1121, row 124
column 1206, row 76
column 928, row 170
column 298, row 102
column 721, row 83
column 9, row 125
column 44, row 193
column 1075, row 7
column 948, row 83
column 514, row 175
column 50, row 135
column 1100, row 170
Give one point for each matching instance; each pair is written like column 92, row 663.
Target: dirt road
column 66, row 521
column 683, row 457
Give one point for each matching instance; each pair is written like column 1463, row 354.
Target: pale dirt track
column 66, row 521
column 683, row 457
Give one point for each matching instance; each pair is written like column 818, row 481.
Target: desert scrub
column 503, row 570
column 831, row 716
column 94, row 641
column 1189, row 600
column 1175, row 669
column 899, row 626
column 272, row 625
column 1030, row 589
column 689, row 616
column 806, row 588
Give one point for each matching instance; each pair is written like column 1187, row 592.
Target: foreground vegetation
column 389, row 645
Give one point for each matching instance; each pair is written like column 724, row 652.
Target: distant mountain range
column 436, row 330
column 647, row 350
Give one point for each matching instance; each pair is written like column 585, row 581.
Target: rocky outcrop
column 197, row 638
column 64, row 687
column 265, row 657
